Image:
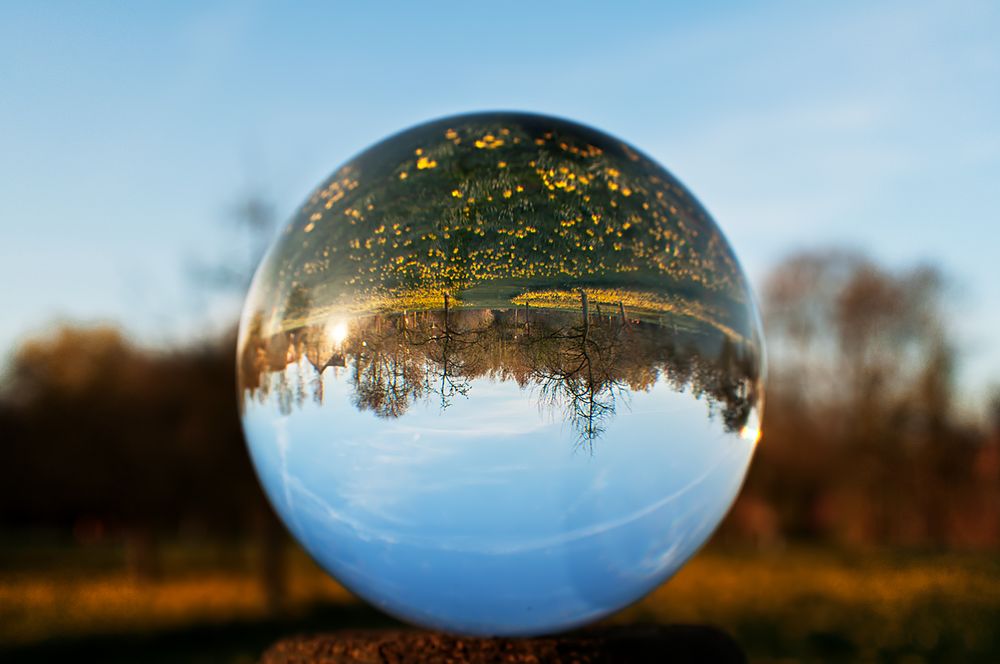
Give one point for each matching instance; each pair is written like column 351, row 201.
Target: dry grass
column 36, row 605
column 816, row 604
column 788, row 605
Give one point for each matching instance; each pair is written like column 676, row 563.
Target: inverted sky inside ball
column 501, row 374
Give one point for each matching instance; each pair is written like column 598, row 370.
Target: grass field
column 796, row 604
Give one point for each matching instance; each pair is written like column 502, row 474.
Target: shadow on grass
column 234, row 641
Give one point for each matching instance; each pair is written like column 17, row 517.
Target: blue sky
column 130, row 130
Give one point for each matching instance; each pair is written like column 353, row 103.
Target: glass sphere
column 501, row 374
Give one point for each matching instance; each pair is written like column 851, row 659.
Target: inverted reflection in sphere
column 501, row 374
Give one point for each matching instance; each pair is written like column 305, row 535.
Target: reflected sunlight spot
column 338, row 333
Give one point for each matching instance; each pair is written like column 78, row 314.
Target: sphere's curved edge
column 501, row 361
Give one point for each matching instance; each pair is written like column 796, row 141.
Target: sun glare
column 338, row 333
column 750, row 433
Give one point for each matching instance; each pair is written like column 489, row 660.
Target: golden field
column 783, row 605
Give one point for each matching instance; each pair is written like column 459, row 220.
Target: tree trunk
column 142, row 554
column 271, row 564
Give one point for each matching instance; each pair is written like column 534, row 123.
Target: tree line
column 579, row 362
column 862, row 441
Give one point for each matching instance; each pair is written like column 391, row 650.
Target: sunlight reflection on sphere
column 501, row 374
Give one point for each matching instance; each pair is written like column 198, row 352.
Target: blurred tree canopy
column 862, row 442
column 104, row 429
column 139, row 442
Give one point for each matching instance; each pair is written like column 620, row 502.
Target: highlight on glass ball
column 501, row 374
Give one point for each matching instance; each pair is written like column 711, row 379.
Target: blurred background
column 148, row 153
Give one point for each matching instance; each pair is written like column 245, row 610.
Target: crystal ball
column 501, row 374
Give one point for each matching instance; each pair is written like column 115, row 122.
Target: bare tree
column 862, row 363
